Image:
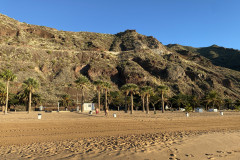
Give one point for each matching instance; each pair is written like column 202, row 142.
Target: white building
column 88, row 107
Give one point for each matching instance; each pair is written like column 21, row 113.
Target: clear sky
column 197, row 23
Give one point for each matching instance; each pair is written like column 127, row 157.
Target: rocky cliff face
column 56, row 58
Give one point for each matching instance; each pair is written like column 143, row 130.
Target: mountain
column 219, row 56
column 56, row 58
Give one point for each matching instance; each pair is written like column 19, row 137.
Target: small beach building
column 88, row 107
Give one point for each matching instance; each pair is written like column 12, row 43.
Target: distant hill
column 56, row 58
column 219, row 56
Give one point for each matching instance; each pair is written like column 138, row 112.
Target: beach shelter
column 88, row 107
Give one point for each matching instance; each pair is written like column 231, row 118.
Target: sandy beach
column 71, row 135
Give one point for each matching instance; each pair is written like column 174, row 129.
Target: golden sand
column 71, row 135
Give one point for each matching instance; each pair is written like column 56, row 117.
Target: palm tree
column 228, row 103
column 116, row 99
column 81, row 83
column 147, row 90
column 22, row 98
column 195, row 101
column 131, row 89
column 162, row 90
column 177, row 100
column 212, row 97
column 143, row 94
column 98, row 84
column 186, row 101
column 106, row 86
column 207, row 101
column 7, row 76
column 66, row 100
column 125, row 91
column 30, row 85
column 154, row 100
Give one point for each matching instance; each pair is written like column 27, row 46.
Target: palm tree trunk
column 77, row 99
column 162, row 103
column 143, row 104
column 7, row 99
column 147, row 105
column 106, row 106
column 82, row 107
column 99, row 100
column 126, row 108
column 131, row 103
column 154, row 109
column 30, row 102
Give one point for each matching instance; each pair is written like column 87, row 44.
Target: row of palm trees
column 148, row 94
column 30, row 85
column 158, row 95
column 82, row 82
column 145, row 92
column 128, row 89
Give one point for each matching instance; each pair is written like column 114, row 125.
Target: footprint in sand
column 208, row 154
column 172, row 155
column 220, row 152
column 225, row 155
column 189, row 155
column 236, row 150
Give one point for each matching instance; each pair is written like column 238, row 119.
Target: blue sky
column 197, row 23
